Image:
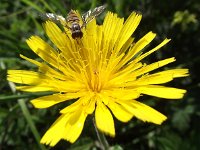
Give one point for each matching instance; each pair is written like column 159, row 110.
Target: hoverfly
column 73, row 22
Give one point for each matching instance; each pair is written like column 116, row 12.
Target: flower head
column 102, row 72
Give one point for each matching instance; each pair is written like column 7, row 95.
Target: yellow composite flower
column 102, row 73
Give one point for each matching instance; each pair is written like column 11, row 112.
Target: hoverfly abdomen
column 72, row 17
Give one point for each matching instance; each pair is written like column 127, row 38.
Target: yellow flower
column 102, row 72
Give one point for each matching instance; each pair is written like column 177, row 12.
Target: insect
column 73, row 21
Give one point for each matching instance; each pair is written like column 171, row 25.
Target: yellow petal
column 162, row 91
column 74, row 126
column 150, row 79
column 44, row 50
column 44, row 68
column 67, row 86
column 153, row 66
column 72, row 108
column 129, row 27
column 91, row 33
column 160, row 77
column 58, row 37
column 68, row 126
column 138, row 46
column 104, row 120
column 56, row 132
column 31, row 60
column 144, row 112
column 90, row 107
column 176, row 73
column 112, row 26
column 84, row 100
column 47, row 101
column 151, row 51
column 124, row 75
column 122, row 94
column 27, row 77
column 119, row 111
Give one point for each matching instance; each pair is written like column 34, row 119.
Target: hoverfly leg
column 83, row 25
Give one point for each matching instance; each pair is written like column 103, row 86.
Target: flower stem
column 101, row 137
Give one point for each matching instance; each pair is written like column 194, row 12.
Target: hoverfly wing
column 91, row 14
column 98, row 10
column 58, row 19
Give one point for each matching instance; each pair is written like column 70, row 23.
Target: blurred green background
column 21, row 125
